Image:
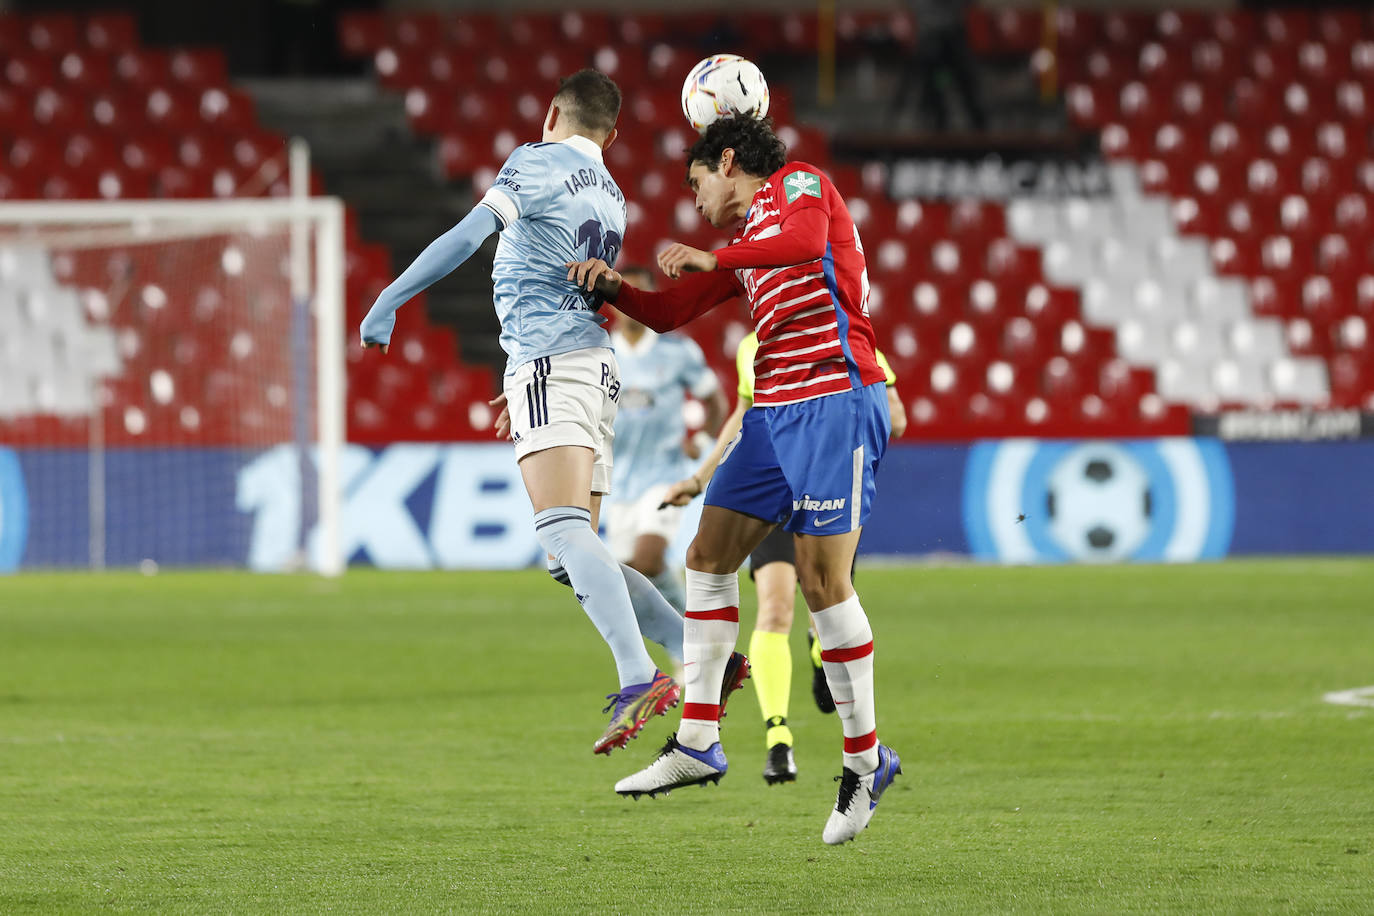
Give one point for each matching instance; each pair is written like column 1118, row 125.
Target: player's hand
column 502, row 424
column 678, row 259
column 681, row 493
column 377, row 327
column 595, row 275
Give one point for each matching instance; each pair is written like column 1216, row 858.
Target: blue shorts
column 808, row 466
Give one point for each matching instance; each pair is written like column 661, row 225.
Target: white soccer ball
column 721, row 86
column 1099, row 503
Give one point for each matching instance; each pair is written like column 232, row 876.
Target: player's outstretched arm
column 801, row 238
column 663, row 310
column 439, row 259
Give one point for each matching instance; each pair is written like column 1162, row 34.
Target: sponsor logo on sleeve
column 801, row 183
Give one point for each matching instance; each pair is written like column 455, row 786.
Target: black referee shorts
column 778, row 547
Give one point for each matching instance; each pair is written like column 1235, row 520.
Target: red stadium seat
column 1228, row 146
column 172, row 108
column 199, row 67
column 85, row 70
column 71, row 185
column 1286, row 27
column 1255, row 103
column 53, row 34
column 89, row 151
column 1159, row 63
column 1077, row 30
column 361, row 32
column 1091, row 106
column 110, row 32
column 1126, row 29
column 416, row 31
column 16, row 187
column 1234, row 27
column 1352, row 213
column 448, row 68
column 229, row 110
column 30, row 71
column 1181, row 27
column 1140, row 104
column 1216, row 63
column 57, row 111
column 399, row 68
column 1198, row 104
column 1191, row 219
column 532, row 32
column 143, row 68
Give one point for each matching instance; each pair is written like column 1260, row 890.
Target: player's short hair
column 591, row 99
column 757, row 149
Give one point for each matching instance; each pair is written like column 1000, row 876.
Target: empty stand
column 86, row 111
column 1252, row 129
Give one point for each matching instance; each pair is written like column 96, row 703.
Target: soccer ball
column 723, row 85
column 1099, row 503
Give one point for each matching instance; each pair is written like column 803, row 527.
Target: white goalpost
column 154, row 357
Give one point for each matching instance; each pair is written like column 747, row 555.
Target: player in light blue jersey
column 553, row 202
column 657, row 373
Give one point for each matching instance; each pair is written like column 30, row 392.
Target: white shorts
column 626, row 522
column 568, row 399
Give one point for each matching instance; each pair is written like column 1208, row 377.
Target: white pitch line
column 1358, row 696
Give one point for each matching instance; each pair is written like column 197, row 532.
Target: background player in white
column 773, row 567
column 807, row 461
column 553, row 202
column 652, row 450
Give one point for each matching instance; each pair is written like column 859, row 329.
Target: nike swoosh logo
column 821, row 523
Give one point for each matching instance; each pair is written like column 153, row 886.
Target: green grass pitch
column 1123, row 739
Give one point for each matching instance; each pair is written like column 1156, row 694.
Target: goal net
column 171, row 384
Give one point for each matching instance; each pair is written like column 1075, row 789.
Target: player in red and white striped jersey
column 805, row 457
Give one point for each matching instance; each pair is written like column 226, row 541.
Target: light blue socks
column 566, row 533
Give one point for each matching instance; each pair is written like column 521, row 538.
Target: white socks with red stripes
column 847, row 656
column 710, row 632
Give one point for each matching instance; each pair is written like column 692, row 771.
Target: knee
column 562, row 534
column 821, row 587
column 703, row 560
column 649, row 565
column 775, row 616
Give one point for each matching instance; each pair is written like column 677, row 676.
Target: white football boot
column 676, row 766
column 859, row 796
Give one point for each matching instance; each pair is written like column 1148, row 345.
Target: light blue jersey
column 556, row 203
column 656, row 375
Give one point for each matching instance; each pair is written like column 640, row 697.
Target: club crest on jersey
column 799, row 183
column 807, row 504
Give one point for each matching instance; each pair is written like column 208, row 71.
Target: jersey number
column 600, row 244
column 603, row 245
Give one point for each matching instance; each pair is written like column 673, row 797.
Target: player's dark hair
column 591, row 99
column 757, row 149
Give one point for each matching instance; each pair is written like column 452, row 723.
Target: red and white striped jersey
column 812, row 317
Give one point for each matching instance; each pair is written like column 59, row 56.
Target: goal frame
column 326, row 299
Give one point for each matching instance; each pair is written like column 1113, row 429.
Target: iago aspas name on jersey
column 582, row 179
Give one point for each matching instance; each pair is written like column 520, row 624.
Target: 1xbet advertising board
column 462, row 506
